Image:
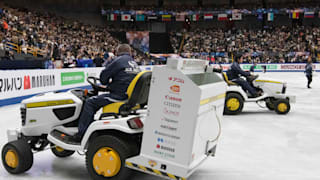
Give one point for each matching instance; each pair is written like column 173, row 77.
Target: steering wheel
column 93, row 81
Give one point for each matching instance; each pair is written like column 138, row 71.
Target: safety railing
column 30, row 50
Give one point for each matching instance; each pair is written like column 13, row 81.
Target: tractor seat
column 138, row 92
column 225, row 78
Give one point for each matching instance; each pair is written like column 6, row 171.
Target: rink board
column 16, row 85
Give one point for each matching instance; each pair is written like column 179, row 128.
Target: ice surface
column 256, row 145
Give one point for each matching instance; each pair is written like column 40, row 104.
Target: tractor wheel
column 233, row 104
column 106, row 156
column 60, row 152
column 282, row 106
column 17, row 157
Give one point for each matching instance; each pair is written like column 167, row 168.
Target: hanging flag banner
column 125, row 17
column 236, row 16
column 112, row 17
column 195, row 17
column 208, row 17
column 139, row 17
column 309, row 14
column 166, row 17
column 270, row 16
column 180, row 17
column 294, row 15
column 222, row 17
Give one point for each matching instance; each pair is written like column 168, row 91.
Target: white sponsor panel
column 273, row 67
column 15, row 83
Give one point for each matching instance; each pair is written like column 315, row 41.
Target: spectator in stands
column 53, row 37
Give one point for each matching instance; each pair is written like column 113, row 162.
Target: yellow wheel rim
column 12, row 159
column 233, row 104
column 282, row 107
column 59, row 149
column 106, row 162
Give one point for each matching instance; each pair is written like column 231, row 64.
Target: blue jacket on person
column 235, row 71
column 118, row 74
column 308, row 69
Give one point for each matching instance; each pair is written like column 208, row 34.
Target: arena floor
column 256, row 145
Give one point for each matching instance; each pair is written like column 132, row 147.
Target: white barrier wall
column 16, row 85
column 290, row 67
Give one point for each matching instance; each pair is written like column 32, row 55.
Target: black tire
column 59, row 152
column 228, row 110
column 122, row 148
column 270, row 106
column 282, row 106
column 23, row 154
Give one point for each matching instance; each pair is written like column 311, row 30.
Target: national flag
column 166, row 17
column 222, row 17
column 125, row 17
column 236, row 16
column 195, row 17
column 294, row 15
column 270, row 16
column 309, row 14
column 152, row 17
column 112, row 17
column 180, row 17
column 208, row 17
column 140, row 17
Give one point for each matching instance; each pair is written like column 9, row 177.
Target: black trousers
column 309, row 79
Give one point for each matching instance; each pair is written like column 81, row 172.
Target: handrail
column 30, row 50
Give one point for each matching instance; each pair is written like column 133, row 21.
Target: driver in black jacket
column 234, row 74
column 117, row 76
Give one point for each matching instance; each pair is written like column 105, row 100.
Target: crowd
column 277, row 45
column 57, row 38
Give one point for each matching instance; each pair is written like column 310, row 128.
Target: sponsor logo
column 165, row 148
column 152, row 163
column 170, row 112
column 167, row 135
column 170, row 120
column 68, row 78
column 175, row 79
column 10, row 84
column 165, row 141
column 164, row 155
column 42, row 81
column 27, row 82
column 171, row 98
column 168, row 127
column 171, row 104
column 175, row 88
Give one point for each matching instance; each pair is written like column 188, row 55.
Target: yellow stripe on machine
column 50, row 103
column 211, row 99
column 153, row 171
column 129, row 164
column 267, row 81
column 171, row 176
